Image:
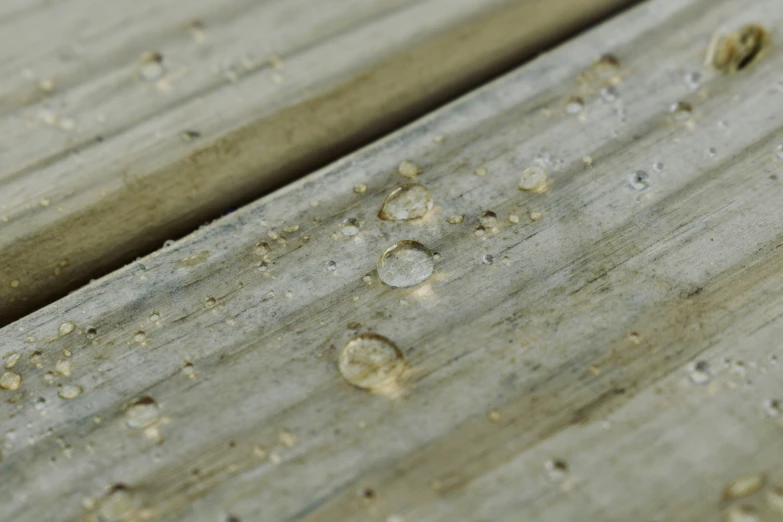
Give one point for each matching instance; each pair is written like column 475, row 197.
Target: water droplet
column 775, row 500
column 154, row 317
column 480, row 231
column 66, row 328
column 12, row 360
column 371, row 361
column 139, row 337
column 488, row 259
column 331, row 266
column 410, row 201
column 736, row 50
column 407, row 263
column 91, row 333
column 700, row 372
column 262, row 266
column 361, row 188
column 350, row 227
column 63, row 367
column 534, row 179
column 15, row 283
column 574, row 105
column 610, row 93
column 290, row 229
column 772, row 407
column 142, row 413
column 657, row 166
column 408, row 169
column 10, row 381
column 779, row 151
column 70, row 391
column 480, row 172
column 693, row 80
column 39, row 404
column 210, row 302
column 681, row 111
column 639, row 180
column 742, row 513
column 712, row 152
column 118, row 505
column 489, row 219
column 151, row 66
column 556, row 470
column 262, row 248
column 455, row 220
column 744, row 486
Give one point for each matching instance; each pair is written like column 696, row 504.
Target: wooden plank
column 106, row 155
column 572, row 345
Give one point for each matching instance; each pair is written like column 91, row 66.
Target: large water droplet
column 70, row 391
column 407, row 263
column 10, row 381
column 141, row 413
column 371, row 361
column 410, row 201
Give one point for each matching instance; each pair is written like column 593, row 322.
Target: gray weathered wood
column 99, row 165
column 574, row 344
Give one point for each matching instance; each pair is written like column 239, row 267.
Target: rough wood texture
column 99, row 165
column 573, row 344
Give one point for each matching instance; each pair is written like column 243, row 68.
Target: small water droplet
column 574, row 105
column 639, row 180
column 91, row 333
column 534, row 179
column 15, row 283
column 681, row 111
column 371, row 361
column 66, row 328
column 779, row 151
column 742, row 513
column 39, row 404
column 610, row 93
column 12, row 360
column 693, row 80
column 700, row 372
column 331, row 266
column 350, row 227
column 712, row 152
column 151, row 66
column 154, row 317
column 408, row 169
column 772, row 407
column 189, row 371
column 488, row 259
column 70, row 391
column 657, row 167
column 455, row 220
column 407, row 263
column 480, row 172
column 63, row 367
column 10, row 381
column 361, row 188
column 142, row 413
column 410, row 201
column 210, row 302
column 489, row 219
column 744, row 486
column 556, row 470
column 139, row 337
column 480, row 231
column 118, row 505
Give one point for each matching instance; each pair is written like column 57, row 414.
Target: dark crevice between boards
column 230, row 171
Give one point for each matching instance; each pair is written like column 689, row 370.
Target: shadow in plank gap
column 134, row 122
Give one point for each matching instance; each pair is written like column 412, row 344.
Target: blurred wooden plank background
column 604, row 348
column 128, row 123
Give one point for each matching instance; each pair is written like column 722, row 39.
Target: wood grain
column 99, row 165
column 574, row 344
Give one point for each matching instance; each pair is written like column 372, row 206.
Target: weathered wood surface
column 574, row 344
column 99, row 161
